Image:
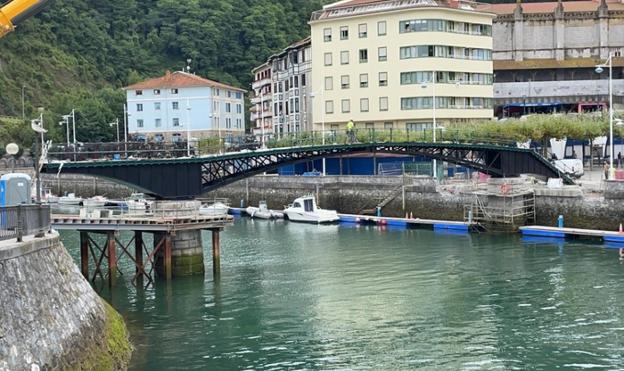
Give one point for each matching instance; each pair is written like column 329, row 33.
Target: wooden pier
column 163, row 228
column 555, row 232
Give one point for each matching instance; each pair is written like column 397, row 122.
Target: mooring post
column 138, row 252
column 216, row 253
column 168, row 248
column 84, row 254
column 112, row 258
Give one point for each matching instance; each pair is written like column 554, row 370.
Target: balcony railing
column 24, row 220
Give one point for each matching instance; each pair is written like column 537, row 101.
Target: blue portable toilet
column 15, row 189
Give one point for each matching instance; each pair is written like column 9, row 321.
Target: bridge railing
column 364, row 135
column 23, row 220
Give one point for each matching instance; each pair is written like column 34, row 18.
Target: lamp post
column 599, row 70
column 434, row 114
column 66, row 123
column 37, row 126
column 116, row 125
column 314, row 95
column 188, row 127
column 125, row 116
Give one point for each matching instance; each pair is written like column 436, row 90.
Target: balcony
column 573, row 91
column 260, row 83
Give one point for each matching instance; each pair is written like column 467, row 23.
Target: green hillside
column 78, row 53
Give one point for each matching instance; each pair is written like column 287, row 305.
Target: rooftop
column 179, row 79
column 346, row 8
column 297, row 44
column 549, row 7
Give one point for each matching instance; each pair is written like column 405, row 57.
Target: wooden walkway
column 555, row 232
column 141, row 223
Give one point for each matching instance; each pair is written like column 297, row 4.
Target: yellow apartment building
column 374, row 62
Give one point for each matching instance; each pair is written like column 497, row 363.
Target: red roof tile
column 179, row 79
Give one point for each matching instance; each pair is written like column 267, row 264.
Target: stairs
column 393, row 194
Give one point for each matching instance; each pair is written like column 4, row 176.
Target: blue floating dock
column 407, row 223
column 562, row 233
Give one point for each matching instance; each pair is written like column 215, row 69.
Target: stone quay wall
column 50, row 316
column 422, row 198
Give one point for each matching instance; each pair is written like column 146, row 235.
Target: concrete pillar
column 518, row 33
column 187, row 254
column 138, row 252
column 559, row 32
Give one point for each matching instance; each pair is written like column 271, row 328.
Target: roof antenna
column 188, row 65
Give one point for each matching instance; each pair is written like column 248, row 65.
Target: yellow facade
column 395, row 91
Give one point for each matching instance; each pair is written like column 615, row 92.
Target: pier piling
column 168, row 248
column 112, row 258
column 138, row 253
column 84, row 254
column 216, row 253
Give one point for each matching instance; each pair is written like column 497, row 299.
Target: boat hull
column 317, row 218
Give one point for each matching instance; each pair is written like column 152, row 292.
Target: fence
column 23, row 220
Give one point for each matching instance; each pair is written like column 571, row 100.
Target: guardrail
column 23, row 220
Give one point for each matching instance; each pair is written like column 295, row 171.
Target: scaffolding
column 506, row 208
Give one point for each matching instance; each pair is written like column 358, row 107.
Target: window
column 364, row 80
column 156, row 91
column 139, row 107
column 217, row 92
column 175, row 105
column 303, row 80
column 415, row 77
column 157, row 123
column 229, row 94
column 329, row 106
column 363, row 55
column 383, row 103
column 418, row 126
column 383, row 78
column 239, row 95
column 174, row 91
column 296, row 81
column 346, row 106
column 176, row 121
column 381, row 28
column 344, row 57
column 444, row 51
column 228, row 107
column 327, row 35
column 388, row 125
column 328, row 59
column 138, row 92
column 157, row 106
column 382, row 54
column 362, row 31
column 344, row 82
column 139, row 123
column 239, row 108
column 344, row 33
column 329, row 83
column 414, row 103
column 364, row 105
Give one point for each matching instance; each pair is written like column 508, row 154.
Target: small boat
column 93, row 202
column 137, row 202
column 304, row 209
column 263, row 212
column 215, row 208
column 70, row 199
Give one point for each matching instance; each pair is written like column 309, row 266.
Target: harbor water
column 298, row 296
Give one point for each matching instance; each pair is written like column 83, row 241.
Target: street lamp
column 314, row 95
column 66, row 123
column 425, row 84
column 188, row 125
column 37, row 126
column 599, row 70
column 116, row 125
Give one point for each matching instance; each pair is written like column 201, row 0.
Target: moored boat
column 93, row 202
column 304, row 209
column 263, row 212
column 214, row 208
column 70, row 199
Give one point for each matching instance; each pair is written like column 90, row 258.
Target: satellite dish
column 12, row 148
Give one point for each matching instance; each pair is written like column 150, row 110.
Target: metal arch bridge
column 185, row 178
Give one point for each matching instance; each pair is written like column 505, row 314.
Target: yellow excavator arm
column 16, row 11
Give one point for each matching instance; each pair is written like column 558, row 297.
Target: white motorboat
column 94, row 202
column 263, row 212
column 215, row 208
column 70, row 199
column 304, row 209
column 137, row 202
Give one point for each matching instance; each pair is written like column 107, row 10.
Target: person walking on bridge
column 350, row 133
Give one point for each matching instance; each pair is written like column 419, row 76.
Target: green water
column 297, row 296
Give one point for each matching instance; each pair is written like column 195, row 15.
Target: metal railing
column 24, row 220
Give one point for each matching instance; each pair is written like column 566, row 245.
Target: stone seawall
column 50, row 316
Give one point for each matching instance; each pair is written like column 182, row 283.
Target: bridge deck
column 147, row 224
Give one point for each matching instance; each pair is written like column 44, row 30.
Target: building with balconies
column 545, row 55
column 381, row 63
column 262, row 100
